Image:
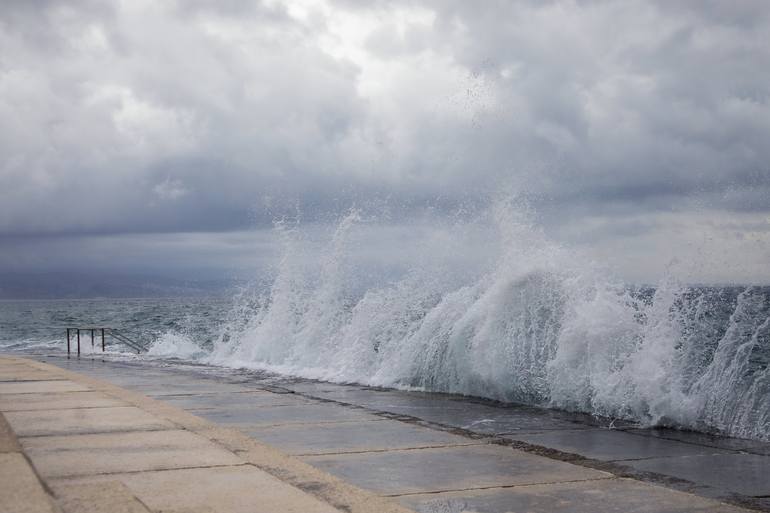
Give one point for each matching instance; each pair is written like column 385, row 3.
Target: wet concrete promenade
column 428, row 452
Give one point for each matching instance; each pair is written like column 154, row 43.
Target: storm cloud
column 637, row 129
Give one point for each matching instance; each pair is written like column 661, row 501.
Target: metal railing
column 73, row 334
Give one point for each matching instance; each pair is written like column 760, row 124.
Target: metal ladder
column 117, row 335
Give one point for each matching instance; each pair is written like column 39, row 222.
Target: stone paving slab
column 120, row 375
column 154, row 382
column 494, row 421
column 452, row 468
column 59, row 456
column 454, row 411
column 284, row 415
column 105, row 496
column 242, row 489
column 708, row 440
column 346, row 437
column 19, row 373
column 83, row 420
column 20, row 489
column 162, row 389
column 314, row 387
column 481, row 418
column 41, row 387
column 746, row 474
column 604, row 496
column 9, row 362
column 126, row 374
column 17, row 364
column 398, row 471
column 8, row 440
column 343, row 494
column 384, row 400
column 257, row 399
column 608, row 445
column 252, row 477
column 57, row 401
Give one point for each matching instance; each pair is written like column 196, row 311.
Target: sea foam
column 535, row 323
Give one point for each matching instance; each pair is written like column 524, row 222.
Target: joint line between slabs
column 88, row 433
column 397, row 449
column 119, row 472
column 26, row 380
column 243, row 426
column 45, row 393
column 59, row 409
column 727, row 453
column 503, row 487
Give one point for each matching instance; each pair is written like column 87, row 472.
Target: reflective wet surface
column 441, row 453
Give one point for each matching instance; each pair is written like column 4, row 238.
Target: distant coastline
column 78, row 285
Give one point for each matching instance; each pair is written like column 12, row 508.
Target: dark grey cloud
column 631, row 93
column 213, row 117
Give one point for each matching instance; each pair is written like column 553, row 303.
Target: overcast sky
column 166, row 136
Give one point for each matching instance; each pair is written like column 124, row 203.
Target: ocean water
column 523, row 321
column 40, row 325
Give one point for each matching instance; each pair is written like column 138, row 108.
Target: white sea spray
column 537, row 324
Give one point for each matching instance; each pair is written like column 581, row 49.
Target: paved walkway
column 95, row 447
column 427, row 452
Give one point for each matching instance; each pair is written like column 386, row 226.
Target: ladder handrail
column 123, row 338
column 138, row 346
